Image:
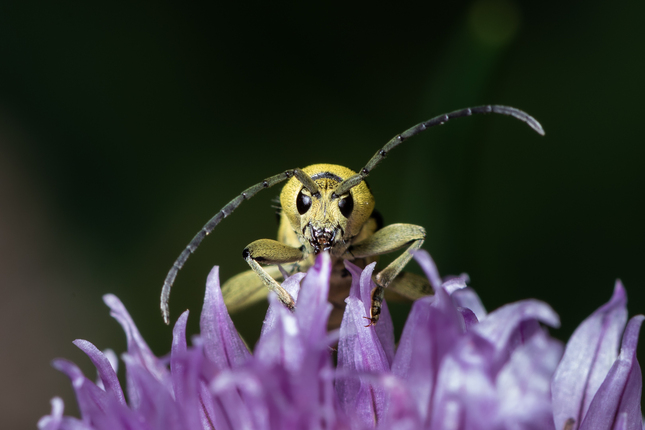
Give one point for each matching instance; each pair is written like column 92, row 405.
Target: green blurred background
column 124, row 128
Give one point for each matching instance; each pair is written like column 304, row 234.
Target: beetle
column 328, row 208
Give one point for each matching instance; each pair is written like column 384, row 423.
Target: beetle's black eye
column 346, row 205
column 303, row 203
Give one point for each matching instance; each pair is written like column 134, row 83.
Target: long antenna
column 307, row 182
column 353, row 181
column 342, row 188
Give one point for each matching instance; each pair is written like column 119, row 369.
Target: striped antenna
column 353, row 181
column 307, row 182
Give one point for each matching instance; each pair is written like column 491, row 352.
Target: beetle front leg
column 386, row 240
column 267, row 251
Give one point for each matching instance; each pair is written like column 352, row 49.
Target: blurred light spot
column 494, row 22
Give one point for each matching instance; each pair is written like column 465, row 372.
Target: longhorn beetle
column 326, row 207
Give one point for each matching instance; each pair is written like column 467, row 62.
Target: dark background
column 123, row 129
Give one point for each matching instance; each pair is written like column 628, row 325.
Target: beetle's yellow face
column 321, row 222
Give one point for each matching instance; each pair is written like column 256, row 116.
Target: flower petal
column 433, row 328
column 402, row 411
column 429, row 268
column 104, row 367
column 292, row 285
column 53, row 420
column 185, row 367
column 362, row 287
column 470, row 319
column 151, row 401
column 468, row 298
column 69, row 423
column 453, row 284
column 360, row 351
column 96, row 405
column 245, row 401
column 524, row 384
column 282, row 342
column 313, row 309
column 510, row 325
column 588, row 356
column 137, row 347
column 222, row 344
column 290, row 359
column 619, row 396
column 465, row 396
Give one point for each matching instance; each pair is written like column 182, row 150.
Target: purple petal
column 620, row 393
column 433, row 328
column 384, row 328
column 524, row 384
column 53, row 420
column 282, row 342
column 231, row 389
column 93, row 402
column 150, row 399
column 69, row 423
column 385, row 332
column 621, row 422
column 429, row 268
column 313, row 309
column 588, row 356
column 468, row 298
column 292, row 285
column 455, row 283
column 355, row 271
column 290, row 357
column 402, row 411
column 505, row 327
column 179, row 335
column 185, row 366
column 366, row 287
column 470, row 319
column 104, row 367
column 360, row 351
column 222, row 344
column 112, row 358
column 137, row 347
column 208, row 414
column 465, row 395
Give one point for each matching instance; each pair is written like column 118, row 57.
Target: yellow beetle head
column 324, row 220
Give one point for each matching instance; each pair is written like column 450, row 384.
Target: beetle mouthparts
column 322, row 239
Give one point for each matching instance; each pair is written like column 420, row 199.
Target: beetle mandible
column 327, row 207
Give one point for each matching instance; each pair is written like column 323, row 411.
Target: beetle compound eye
column 346, row 205
column 303, row 203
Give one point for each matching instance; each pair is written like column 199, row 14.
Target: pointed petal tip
column 179, row 329
column 429, row 267
column 630, row 337
column 619, row 291
column 183, row 317
column 213, row 276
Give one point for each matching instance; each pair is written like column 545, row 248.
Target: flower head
column 456, row 367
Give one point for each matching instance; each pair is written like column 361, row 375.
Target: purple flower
column 455, row 367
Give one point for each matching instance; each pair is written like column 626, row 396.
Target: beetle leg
column 267, row 251
column 408, row 286
column 386, row 240
column 246, row 288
